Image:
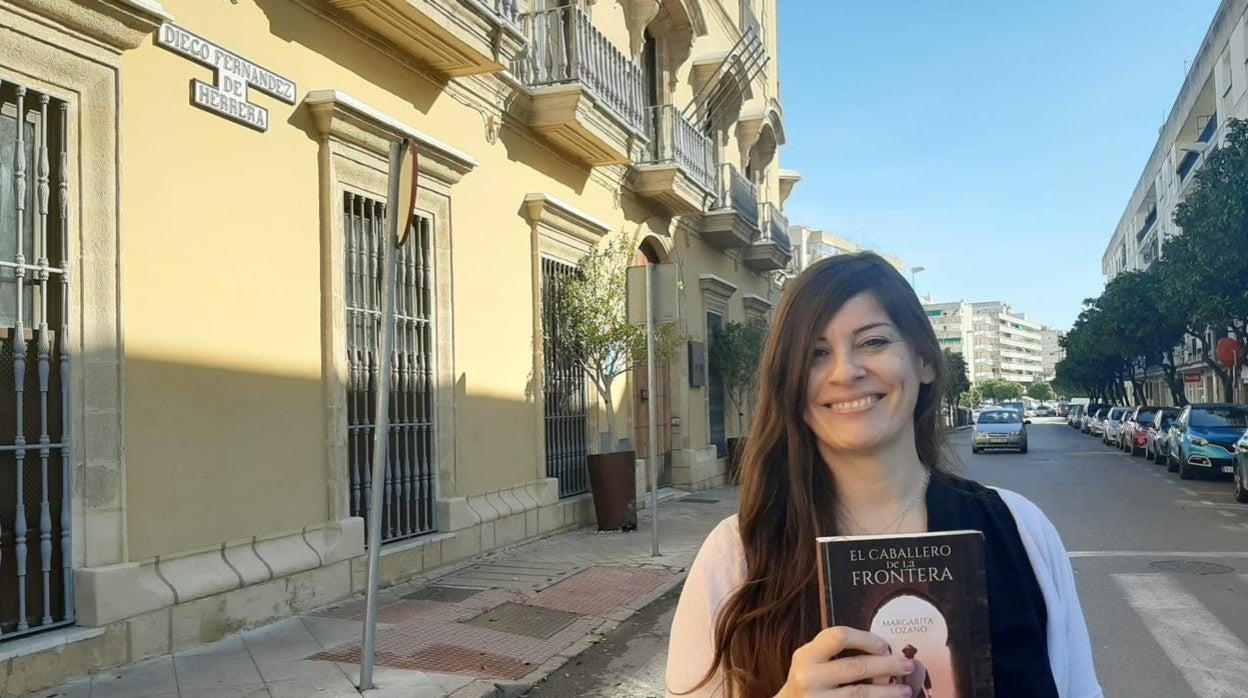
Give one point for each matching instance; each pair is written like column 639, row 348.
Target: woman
column 847, row 440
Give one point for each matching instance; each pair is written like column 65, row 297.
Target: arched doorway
column 652, row 251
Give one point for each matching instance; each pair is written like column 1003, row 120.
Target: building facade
column 192, row 336
column 996, row 342
column 1214, row 91
column 1051, row 347
column 811, row 245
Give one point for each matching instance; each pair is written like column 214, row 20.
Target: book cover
column 925, row 594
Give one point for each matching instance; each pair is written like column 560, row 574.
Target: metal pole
column 651, row 409
column 381, row 430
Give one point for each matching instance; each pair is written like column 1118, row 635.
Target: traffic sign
column 1229, row 352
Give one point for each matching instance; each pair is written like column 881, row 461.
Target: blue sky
column 995, row 143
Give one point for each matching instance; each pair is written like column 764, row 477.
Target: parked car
column 1000, row 428
column 1203, row 438
column 1090, row 417
column 1158, row 432
column 1074, row 416
column 1096, row 423
column 1134, row 433
column 1241, row 469
column 1113, row 420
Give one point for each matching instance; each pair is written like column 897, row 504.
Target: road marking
column 1159, row 554
column 1227, row 514
column 1211, row 658
column 1187, row 492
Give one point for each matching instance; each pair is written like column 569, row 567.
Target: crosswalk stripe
column 1211, row 658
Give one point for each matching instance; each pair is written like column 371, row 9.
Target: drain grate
column 1189, row 567
column 519, row 619
column 442, row 594
column 697, row 500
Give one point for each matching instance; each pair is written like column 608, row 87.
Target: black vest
column 1016, row 609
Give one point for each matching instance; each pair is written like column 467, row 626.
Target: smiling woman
column 847, row 441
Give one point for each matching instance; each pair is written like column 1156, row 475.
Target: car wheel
column 975, row 449
column 1148, row 454
column 1241, row 494
column 1185, row 471
column 1024, row 448
column 1137, row 452
column 1171, row 464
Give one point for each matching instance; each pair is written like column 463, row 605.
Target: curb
column 488, row 689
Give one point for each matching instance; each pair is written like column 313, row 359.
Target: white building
column 1213, row 93
column 996, row 342
column 810, row 246
column 1050, row 343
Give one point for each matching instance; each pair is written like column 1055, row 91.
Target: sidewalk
column 490, row 627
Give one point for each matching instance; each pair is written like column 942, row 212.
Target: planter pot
column 613, row 481
column 736, row 447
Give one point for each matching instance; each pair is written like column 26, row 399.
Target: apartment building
column 1214, row 91
column 1051, row 347
column 811, row 245
column 996, row 342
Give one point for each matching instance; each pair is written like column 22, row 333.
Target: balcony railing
column 674, row 139
column 1187, row 164
column 566, row 48
column 508, row 10
column 737, row 192
column 773, row 225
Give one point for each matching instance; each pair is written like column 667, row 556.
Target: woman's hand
column 813, row 671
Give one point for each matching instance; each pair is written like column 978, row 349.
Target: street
column 1161, row 565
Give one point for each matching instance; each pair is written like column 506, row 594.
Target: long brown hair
column 788, row 496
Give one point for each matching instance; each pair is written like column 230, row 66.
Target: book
column 925, row 594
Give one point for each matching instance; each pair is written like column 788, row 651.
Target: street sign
column 665, row 305
column 1229, row 352
column 1191, row 378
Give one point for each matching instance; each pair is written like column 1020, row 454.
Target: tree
column 597, row 336
column 1205, row 270
column 735, row 352
column 998, row 390
column 1040, row 391
column 957, row 382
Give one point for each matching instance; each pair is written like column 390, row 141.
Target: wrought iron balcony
column 678, row 168
column 566, row 51
column 771, row 251
column 452, row 37
column 733, row 220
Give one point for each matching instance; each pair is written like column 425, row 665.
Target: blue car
column 1202, row 439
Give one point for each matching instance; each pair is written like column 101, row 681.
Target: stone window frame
column 354, row 157
column 71, row 50
column 561, row 232
column 756, row 308
column 716, row 292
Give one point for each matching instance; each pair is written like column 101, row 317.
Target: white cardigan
column 720, row 568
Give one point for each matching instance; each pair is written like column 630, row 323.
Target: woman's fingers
column 832, row 641
column 848, row 670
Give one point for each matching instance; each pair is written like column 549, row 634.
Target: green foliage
column 597, row 336
column 998, row 390
column 1040, row 391
column 735, row 352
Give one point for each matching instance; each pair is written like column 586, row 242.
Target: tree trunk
column 1172, row 379
column 604, row 391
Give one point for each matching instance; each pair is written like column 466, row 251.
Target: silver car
column 1000, row 428
column 1113, row 422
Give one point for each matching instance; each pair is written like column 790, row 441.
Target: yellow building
column 188, row 226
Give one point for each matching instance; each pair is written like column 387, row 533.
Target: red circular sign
column 1229, row 352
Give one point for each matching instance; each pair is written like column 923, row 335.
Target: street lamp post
column 913, row 271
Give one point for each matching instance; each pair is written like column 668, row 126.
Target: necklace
column 895, row 523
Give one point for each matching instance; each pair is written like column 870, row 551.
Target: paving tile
column 337, row 686
column 226, row 692
column 331, row 632
column 230, row 666
column 283, row 641
column 599, row 591
column 78, row 689
column 233, row 642
column 296, row 669
column 151, row 678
